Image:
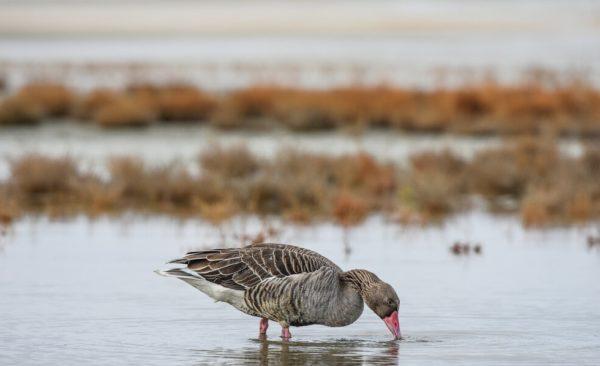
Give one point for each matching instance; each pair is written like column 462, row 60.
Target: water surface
column 159, row 145
column 85, row 292
column 222, row 45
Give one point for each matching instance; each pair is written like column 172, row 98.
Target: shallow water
column 308, row 43
column 85, row 292
column 414, row 59
column 92, row 146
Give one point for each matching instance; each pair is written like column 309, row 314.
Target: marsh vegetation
column 530, row 177
column 537, row 105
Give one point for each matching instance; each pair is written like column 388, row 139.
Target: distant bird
column 287, row 284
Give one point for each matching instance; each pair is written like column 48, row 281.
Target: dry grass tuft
column 124, row 112
column 544, row 187
column 88, row 105
column 535, row 106
column 184, row 103
column 236, row 162
column 3, row 83
column 591, row 161
column 246, row 108
column 170, row 188
column 54, row 100
column 435, row 184
column 19, row 111
column 50, row 185
column 508, row 170
column 9, row 210
column 349, row 209
column 36, row 174
column 305, row 111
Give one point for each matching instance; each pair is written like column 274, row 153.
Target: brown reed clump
column 268, row 197
column 174, row 102
column 53, row 99
column 306, row 111
column 184, row 103
column 124, row 112
column 36, row 174
column 52, row 186
column 349, row 209
column 544, row 186
column 87, row 106
column 235, row 162
column 19, row 111
column 9, row 209
column 532, row 177
column 435, row 184
column 168, row 188
column 591, row 161
column 535, row 106
column 520, row 163
column 304, row 184
column 6, row 218
column 247, row 108
column 129, row 179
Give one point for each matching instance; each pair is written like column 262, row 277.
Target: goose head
column 383, row 300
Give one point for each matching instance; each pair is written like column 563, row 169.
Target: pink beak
column 393, row 324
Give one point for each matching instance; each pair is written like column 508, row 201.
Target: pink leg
column 285, row 333
column 264, row 324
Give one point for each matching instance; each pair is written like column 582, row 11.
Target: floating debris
column 593, row 241
column 266, row 234
column 465, row 248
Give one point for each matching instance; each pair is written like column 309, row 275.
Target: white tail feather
column 216, row 292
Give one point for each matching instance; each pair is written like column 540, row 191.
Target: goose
column 290, row 285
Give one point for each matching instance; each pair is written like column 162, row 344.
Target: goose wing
column 242, row 268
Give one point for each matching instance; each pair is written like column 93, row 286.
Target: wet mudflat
column 85, row 291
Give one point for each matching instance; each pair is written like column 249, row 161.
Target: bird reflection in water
column 334, row 352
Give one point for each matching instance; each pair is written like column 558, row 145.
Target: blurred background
column 450, row 146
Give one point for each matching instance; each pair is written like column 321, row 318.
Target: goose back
column 243, row 268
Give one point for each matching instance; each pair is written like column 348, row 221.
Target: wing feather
column 242, row 268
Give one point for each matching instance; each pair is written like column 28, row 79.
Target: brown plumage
column 290, row 285
column 242, row 268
